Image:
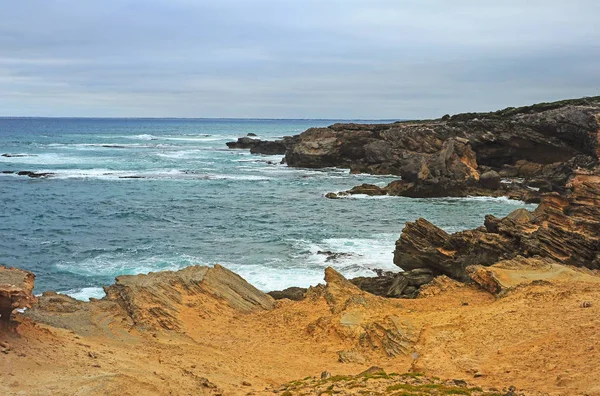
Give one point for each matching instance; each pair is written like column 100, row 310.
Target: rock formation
column 157, row 301
column 564, row 228
column 369, row 322
column 447, row 157
column 16, row 288
column 506, row 275
column 267, row 147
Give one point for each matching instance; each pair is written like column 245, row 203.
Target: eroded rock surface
column 370, row 322
column 16, row 288
column 564, row 228
column 155, row 300
column 508, row 274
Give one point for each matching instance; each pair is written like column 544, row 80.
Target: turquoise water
column 196, row 202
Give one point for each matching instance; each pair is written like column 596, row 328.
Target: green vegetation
column 536, row 108
column 435, row 389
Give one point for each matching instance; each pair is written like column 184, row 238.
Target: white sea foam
column 174, row 174
column 359, row 255
column 110, row 264
column 46, row 159
column 84, row 294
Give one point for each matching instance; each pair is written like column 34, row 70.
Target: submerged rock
column 16, row 288
column 35, row 175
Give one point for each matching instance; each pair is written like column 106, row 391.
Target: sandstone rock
column 506, row 275
column 563, row 228
column 267, row 147
column 243, row 143
column 276, row 147
column 154, row 301
column 16, row 288
column 351, row 357
column 362, row 318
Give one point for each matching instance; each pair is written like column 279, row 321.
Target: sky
column 370, row 59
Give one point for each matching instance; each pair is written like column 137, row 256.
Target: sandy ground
column 540, row 338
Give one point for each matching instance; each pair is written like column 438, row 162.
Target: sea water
column 132, row 196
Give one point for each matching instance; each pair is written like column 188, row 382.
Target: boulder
column 16, row 287
column 490, row 179
column 291, row 293
column 368, row 189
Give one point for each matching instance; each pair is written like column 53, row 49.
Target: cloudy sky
column 293, row 58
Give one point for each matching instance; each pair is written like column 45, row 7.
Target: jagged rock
column 563, row 228
column 16, row 288
column 362, row 318
column 156, row 299
column 445, row 157
column 291, row 293
column 394, row 285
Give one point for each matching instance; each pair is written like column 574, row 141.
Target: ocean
column 132, row 196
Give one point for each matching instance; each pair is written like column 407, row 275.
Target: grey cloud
column 274, row 58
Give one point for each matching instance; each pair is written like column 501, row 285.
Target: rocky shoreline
column 508, row 308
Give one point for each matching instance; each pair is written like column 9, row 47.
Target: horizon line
column 202, row 118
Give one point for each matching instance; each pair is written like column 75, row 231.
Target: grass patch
column 437, row 388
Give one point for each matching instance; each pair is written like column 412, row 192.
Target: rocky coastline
column 508, row 308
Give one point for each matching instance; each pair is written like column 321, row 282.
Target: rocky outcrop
column 266, row 147
column 563, row 228
column 395, row 285
column 243, row 143
column 155, row 300
column 447, row 157
column 368, row 322
column 16, row 288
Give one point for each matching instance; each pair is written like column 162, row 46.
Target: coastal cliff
column 464, row 154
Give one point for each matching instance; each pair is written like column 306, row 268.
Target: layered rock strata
column 564, row 228
column 542, row 144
